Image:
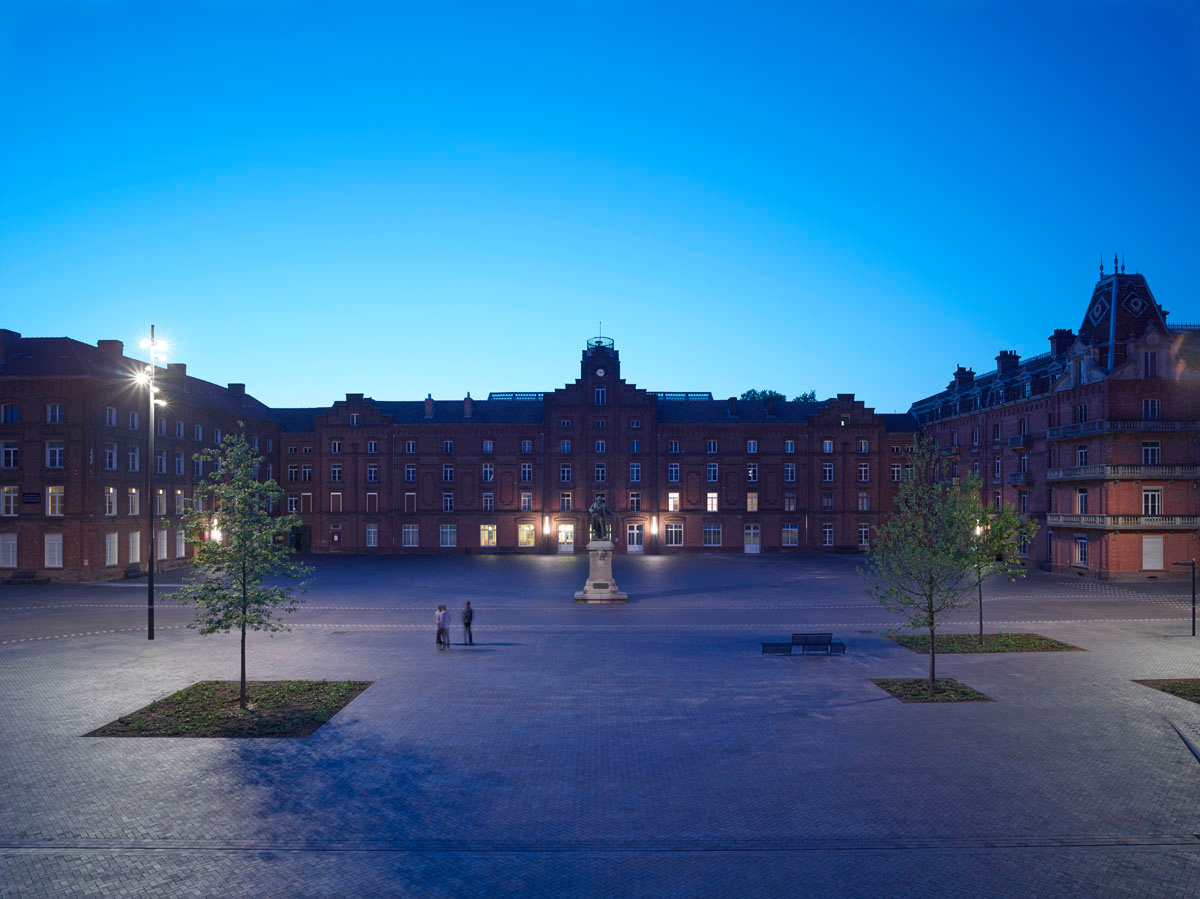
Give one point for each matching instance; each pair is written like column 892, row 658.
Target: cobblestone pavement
column 647, row 750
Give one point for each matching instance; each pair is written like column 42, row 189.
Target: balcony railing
column 1117, row 425
column 1019, row 441
column 1019, row 477
column 1125, row 522
column 1114, row 472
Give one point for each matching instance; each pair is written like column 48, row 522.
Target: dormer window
column 354, row 419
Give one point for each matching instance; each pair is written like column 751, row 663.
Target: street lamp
column 1192, row 563
column 157, row 348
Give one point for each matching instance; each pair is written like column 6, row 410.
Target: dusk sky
column 402, row 199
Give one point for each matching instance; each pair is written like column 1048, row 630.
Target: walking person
column 442, row 619
column 468, row 615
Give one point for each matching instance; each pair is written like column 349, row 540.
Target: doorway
column 635, row 538
column 753, row 538
column 566, row 538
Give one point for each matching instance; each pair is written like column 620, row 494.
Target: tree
column 762, row 395
column 999, row 535
column 809, row 396
column 247, row 544
column 923, row 560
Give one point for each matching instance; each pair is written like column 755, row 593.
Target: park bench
column 777, row 649
column 817, row 643
column 22, row 576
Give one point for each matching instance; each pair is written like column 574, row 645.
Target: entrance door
column 635, row 535
column 1152, row 553
column 566, row 538
column 753, row 538
column 335, row 541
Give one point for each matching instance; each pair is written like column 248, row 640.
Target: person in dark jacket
column 468, row 615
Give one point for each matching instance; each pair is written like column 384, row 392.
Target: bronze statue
column 601, row 517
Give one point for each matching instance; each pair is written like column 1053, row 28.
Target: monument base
column 600, row 587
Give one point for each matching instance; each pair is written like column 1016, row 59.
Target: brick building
column 74, row 463
column 517, row 471
column 1097, row 440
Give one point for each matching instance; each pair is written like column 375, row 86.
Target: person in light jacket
column 442, row 618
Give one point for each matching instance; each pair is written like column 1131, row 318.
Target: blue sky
column 395, row 199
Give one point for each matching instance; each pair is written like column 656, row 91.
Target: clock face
column 599, row 373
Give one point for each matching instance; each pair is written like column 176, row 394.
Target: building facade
column 1097, row 440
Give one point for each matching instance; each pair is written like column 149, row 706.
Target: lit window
column 672, row 502
column 751, row 502
column 526, row 535
column 487, row 535
column 54, row 500
column 711, row 502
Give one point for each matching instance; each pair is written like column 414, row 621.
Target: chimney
column 963, row 377
column 732, row 407
column 354, row 397
column 770, row 405
column 1060, row 341
column 111, row 347
column 238, row 390
column 467, row 406
column 1007, row 361
column 429, row 406
column 9, row 340
column 177, row 370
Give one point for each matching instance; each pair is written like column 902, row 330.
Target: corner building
column 1097, row 440
column 516, row 472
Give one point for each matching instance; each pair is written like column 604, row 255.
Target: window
column 789, row 471
column 10, row 455
column 354, row 421
column 996, row 432
column 293, row 473
column 269, row 444
column 564, row 446
column 110, row 416
column 674, row 535
column 526, row 501
column 54, row 551
column 447, row 502
column 1150, row 452
column 408, row 535
column 601, row 472
column 8, row 501
column 635, row 502
column 1081, row 454
column 448, row 536
column 54, row 501
column 410, row 474
column 198, row 433
column 1024, row 501
column 335, row 472
column 180, row 544
column 410, row 447
column 564, row 423
column 162, row 430
column 179, row 429
column 564, row 502
column 160, row 462
column 751, row 446
column 526, row 535
column 489, row 446
column 599, row 446
column 712, row 535
column 135, row 547
column 827, row 446
column 372, row 535
column 673, row 472
column 896, row 472
column 160, row 545
column 447, row 447
column 489, row 472
column 953, row 438
column 134, row 459
column 1150, row 409
column 527, row 446
column 752, row 472
column 635, row 446
column 1081, row 550
column 110, row 549
column 789, row 446
column 672, row 502
column 827, row 534
column 1023, row 462
column 526, row 471
column 447, row 474
column 564, row 473
column 56, row 453
column 10, row 414
column 712, row 447
column 1150, row 365
column 335, row 446
column 306, row 473
column 996, row 500
column 335, row 502
column 712, row 472
column 997, row 465
column 198, row 502
column 293, row 503
column 54, row 413
column 864, row 446
column 864, row 535
column 133, row 421
column 1081, row 413
column 1151, row 501
column 487, row 535
column 601, row 396
column 217, row 438
column 372, row 472
column 864, row 502
column 672, row 446
column 751, row 502
column 635, row 423
column 827, row 502
column 291, row 451
column 160, row 502
column 826, row 471
column 791, row 535
column 132, row 499
column 710, row 504
column 489, row 502
column 635, row 471
column 372, row 447
column 198, row 468
column 179, row 464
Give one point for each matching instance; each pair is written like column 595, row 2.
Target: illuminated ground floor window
column 487, row 535
column 526, row 535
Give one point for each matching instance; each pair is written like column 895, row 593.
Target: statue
column 601, row 518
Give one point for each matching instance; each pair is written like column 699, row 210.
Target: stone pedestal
column 600, row 586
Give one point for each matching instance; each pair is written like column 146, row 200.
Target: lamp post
column 1192, row 564
column 147, row 378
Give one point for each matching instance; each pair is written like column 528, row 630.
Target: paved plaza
column 640, row 750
